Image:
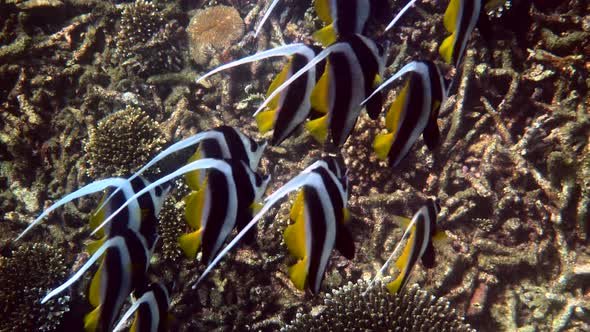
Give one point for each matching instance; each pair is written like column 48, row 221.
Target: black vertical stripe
column 217, row 186
column 346, row 17
column 119, row 224
column 343, row 85
column 370, row 68
column 431, row 132
column 318, row 234
column 415, row 250
column 113, row 292
column 295, row 96
column 413, row 107
column 144, row 318
column 236, row 147
column 462, row 33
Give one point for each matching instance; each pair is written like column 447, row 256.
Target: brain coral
column 347, row 309
column 26, row 276
column 213, row 29
column 122, row 142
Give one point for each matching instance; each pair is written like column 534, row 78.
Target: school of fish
column 323, row 90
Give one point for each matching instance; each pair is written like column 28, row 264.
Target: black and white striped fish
column 150, row 309
column 420, row 232
column 284, row 110
column 354, row 68
column 344, row 18
column 319, row 212
column 461, row 17
column 227, row 198
column 124, row 262
column 413, row 112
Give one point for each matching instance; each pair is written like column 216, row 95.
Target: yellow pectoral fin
column 298, row 273
column 446, row 48
column 91, row 320
column 98, row 217
column 382, row 144
column 265, row 120
column 396, row 109
column 345, row 215
column 322, row 9
column 451, row 14
column 440, row 236
column 193, row 210
column 193, row 179
column 326, row 35
column 319, row 94
column 190, row 243
column 318, row 128
column 94, row 290
column 94, row 245
column 395, row 285
column 256, row 206
column 278, row 80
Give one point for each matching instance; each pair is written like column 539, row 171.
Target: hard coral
column 122, row 142
column 146, row 43
column 213, row 29
column 348, row 309
column 26, row 277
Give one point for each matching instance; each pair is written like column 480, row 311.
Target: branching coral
column 213, row 29
column 122, row 142
column 351, row 309
column 26, row 276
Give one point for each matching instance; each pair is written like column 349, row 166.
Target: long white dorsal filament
column 265, row 17
column 409, row 67
column 399, row 15
column 195, row 165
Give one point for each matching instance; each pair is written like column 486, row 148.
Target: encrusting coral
column 349, row 308
column 213, row 29
column 26, row 276
column 122, row 142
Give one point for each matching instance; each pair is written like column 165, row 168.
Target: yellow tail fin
column 382, row 144
column 193, row 179
column 295, row 233
column 94, row 290
column 265, row 120
column 318, row 128
column 190, row 243
column 95, row 244
column 91, row 320
column 446, row 48
column 326, row 35
column 298, row 273
column 193, row 211
column 395, row 285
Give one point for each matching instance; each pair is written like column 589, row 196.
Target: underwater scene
column 295, row 165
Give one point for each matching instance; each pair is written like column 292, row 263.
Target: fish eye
column 253, row 145
column 158, row 191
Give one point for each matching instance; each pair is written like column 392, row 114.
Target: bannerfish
column 149, row 206
column 225, row 222
column 461, row 17
column 413, row 112
column 319, row 212
column 353, row 69
column 121, row 184
column 231, row 144
column 344, row 18
column 124, row 263
column 227, row 199
column 286, row 110
column 150, row 309
column 420, row 233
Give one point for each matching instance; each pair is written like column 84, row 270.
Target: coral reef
column 122, row 142
column 147, row 41
column 355, row 307
column 212, row 30
column 512, row 172
column 26, row 276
